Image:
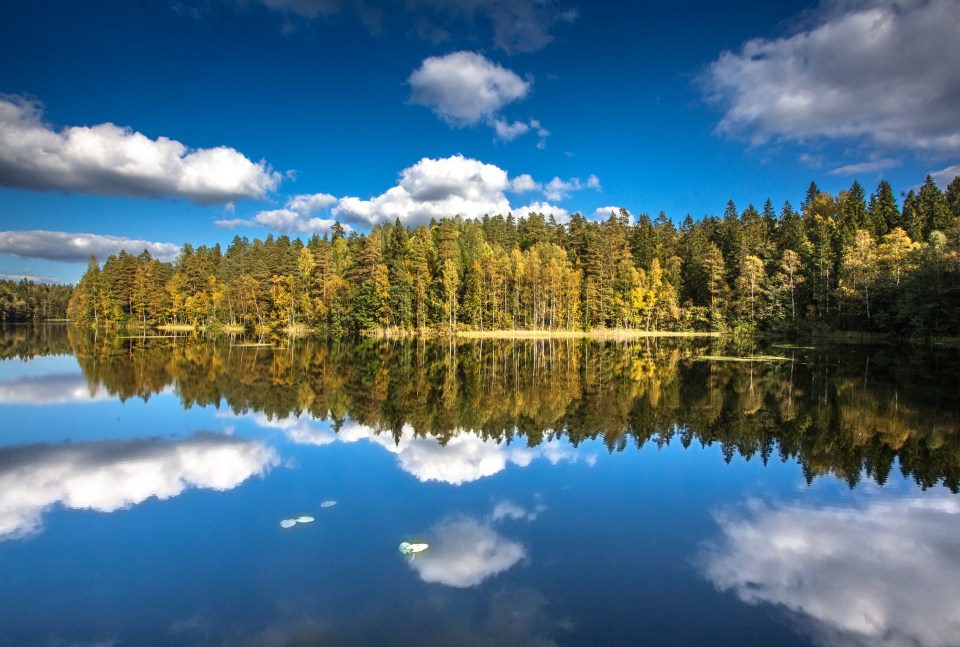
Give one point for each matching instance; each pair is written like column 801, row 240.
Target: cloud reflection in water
column 56, row 388
column 464, row 458
column 111, row 475
column 885, row 573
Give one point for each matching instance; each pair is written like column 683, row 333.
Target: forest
column 844, row 262
column 27, row 301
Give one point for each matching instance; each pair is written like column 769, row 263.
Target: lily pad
column 411, row 549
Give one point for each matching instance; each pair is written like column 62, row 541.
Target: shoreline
column 604, row 333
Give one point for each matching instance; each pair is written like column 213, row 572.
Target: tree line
column 847, row 262
column 27, row 301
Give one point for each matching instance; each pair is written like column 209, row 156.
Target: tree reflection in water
column 846, row 412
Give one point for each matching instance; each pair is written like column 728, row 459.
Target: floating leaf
column 288, row 523
column 328, row 504
column 304, row 519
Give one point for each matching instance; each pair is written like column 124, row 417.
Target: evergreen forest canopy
column 26, row 301
column 842, row 262
column 850, row 413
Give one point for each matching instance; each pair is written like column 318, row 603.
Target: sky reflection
column 112, row 475
column 466, row 457
column 882, row 573
column 464, row 551
column 59, row 388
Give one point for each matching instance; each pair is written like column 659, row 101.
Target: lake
column 178, row 491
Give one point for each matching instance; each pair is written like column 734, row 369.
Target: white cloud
column 111, row 160
column 286, row 220
column 77, row 248
column 433, row 188
column 298, row 216
column 898, row 589
column 112, row 475
column 507, row 131
column 58, row 388
column 466, row 457
column 944, row 177
column 464, row 552
column 310, row 203
column 464, row 88
column 866, row 168
column 524, row 183
column 876, row 71
column 232, row 223
column 560, row 214
column 557, row 189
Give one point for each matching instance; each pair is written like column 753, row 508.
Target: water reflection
column 464, row 457
column 60, row 388
column 848, row 413
column 111, row 475
column 465, row 551
column 885, row 572
column 619, row 532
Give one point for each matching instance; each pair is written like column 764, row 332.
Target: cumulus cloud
column 464, row 552
column 524, row 183
column 77, row 248
column 111, row 475
column 879, row 72
column 465, row 458
column 812, row 562
column 57, row 388
column 433, row 188
column 465, row 88
column 866, row 168
column 111, row 160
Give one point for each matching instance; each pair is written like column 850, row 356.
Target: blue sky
column 153, row 123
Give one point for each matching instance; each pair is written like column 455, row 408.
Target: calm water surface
column 571, row 493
